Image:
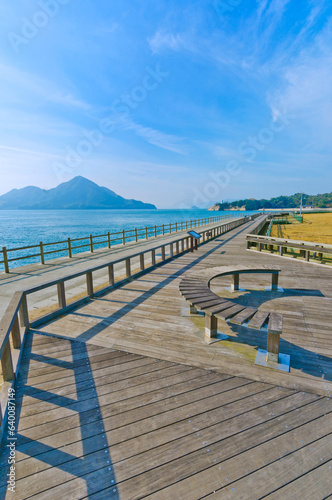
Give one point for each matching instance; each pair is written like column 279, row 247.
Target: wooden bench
column 195, row 288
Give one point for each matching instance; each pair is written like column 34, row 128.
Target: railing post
column 163, row 229
column 146, row 232
column 155, row 231
column 7, row 364
column 128, row 270
column 109, row 239
column 176, row 227
column 42, row 260
column 61, row 295
column 181, row 225
column 91, row 243
column 5, row 259
column 123, row 237
column 16, row 334
column 136, row 237
column 24, row 313
column 170, row 228
column 89, row 285
column 69, row 248
column 111, row 274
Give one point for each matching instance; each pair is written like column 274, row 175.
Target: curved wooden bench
column 195, row 288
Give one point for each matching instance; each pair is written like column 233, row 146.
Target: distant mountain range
column 78, row 193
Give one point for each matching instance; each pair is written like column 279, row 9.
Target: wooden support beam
column 275, row 280
column 235, row 282
column 61, row 295
column 16, row 334
column 7, row 364
column 42, row 258
column 141, row 262
column 69, row 248
column 111, row 274
column 128, row 268
column 273, row 340
column 89, row 285
column 5, row 259
column 163, row 253
column 211, row 325
column 153, row 257
column 24, row 313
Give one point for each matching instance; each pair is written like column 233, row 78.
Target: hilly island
column 280, row 202
column 78, row 193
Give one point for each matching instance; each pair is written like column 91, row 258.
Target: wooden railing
column 16, row 322
column 90, row 243
column 307, row 249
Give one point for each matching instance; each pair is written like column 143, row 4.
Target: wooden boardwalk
column 123, row 398
column 101, row 423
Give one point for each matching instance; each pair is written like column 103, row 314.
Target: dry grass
column 315, row 227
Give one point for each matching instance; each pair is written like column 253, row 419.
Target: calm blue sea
column 29, row 227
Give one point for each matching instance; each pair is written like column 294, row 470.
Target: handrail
column 305, row 247
column 121, row 237
column 15, row 321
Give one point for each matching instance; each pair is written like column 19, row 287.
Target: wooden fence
column 71, row 246
column 307, row 249
column 16, row 322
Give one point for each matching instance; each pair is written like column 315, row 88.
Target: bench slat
column 243, row 316
column 200, row 300
column 223, row 305
column 207, row 305
column 275, row 323
column 258, row 320
column 231, row 311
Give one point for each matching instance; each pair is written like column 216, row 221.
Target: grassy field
column 315, row 227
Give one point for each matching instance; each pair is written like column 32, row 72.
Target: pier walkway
column 123, row 398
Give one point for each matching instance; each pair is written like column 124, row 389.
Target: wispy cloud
column 163, row 39
column 20, row 150
column 155, row 137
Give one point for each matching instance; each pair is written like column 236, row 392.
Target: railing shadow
column 93, row 464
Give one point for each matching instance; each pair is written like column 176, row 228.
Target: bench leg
column 211, row 325
column 275, row 279
column 235, row 282
column 273, row 347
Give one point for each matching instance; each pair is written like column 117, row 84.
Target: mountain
column 316, row 201
column 78, row 193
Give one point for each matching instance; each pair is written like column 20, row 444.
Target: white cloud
column 155, row 137
column 165, row 40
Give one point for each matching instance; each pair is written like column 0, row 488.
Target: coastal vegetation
column 294, row 201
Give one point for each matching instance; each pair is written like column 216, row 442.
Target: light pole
column 301, row 206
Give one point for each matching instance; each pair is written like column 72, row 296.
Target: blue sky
column 176, row 103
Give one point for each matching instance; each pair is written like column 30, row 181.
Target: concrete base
column 269, row 289
column 186, row 313
column 220, row 336
column 283, row 361
column 230, row 289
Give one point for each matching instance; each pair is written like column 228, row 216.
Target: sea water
column 20, row 228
